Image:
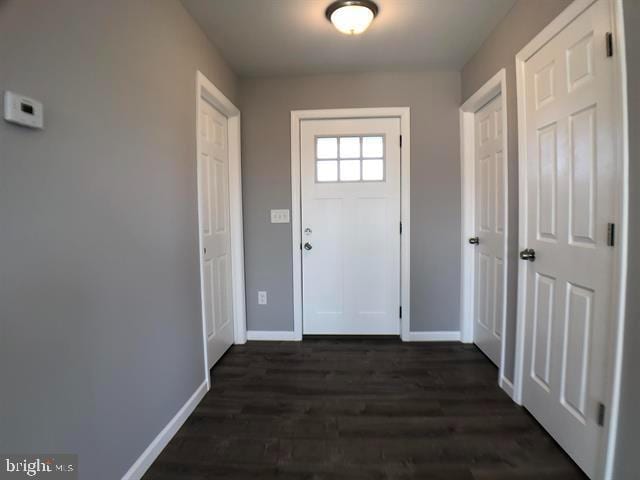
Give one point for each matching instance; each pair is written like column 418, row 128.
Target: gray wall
column 434, row 98
column 100, row 333
column 523, row 22
column 627, row 459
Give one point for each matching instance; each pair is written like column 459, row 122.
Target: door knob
column 528, row 254
column 474, row 240
column 308, row 246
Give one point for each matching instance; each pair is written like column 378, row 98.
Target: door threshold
column 349, row 337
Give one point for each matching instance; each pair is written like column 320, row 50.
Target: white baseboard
column 145, row 460
column 272, row 335
column 507, row 386
column 446, row 336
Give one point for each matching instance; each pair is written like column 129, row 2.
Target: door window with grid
column 350, row 159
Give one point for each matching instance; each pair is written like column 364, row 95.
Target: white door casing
column 297, row 117
column 351, row 225
column 490, row 269
column 493, row 89
column 215, row 235
column 569, row 177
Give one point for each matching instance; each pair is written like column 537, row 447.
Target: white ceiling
column 288, row 37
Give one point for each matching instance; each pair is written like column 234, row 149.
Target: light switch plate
column 280, row 216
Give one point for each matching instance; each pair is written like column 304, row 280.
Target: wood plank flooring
column 333, row 408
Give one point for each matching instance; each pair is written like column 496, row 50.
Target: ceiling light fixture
column 352, row 17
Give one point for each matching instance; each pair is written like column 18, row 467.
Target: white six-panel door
column 350, row 178
column 570, row 174
column 213, row 174
column 490, row 191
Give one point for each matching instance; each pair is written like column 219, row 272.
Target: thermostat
column 23, row 110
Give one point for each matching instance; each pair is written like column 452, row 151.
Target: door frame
column 205, row 88
column 404, row 114
column 496, row 85
column 620, row 266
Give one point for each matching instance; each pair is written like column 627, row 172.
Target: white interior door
column 213, row 174
column 490, row 191
column 350, row 171
column 570, row 178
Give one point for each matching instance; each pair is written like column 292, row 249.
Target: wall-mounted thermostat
column 23, row 110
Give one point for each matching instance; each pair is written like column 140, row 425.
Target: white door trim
column 403, row 113
column 496, row 85
column 204, row 88
column 619, row 280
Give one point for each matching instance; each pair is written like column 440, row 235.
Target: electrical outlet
column 262, row 298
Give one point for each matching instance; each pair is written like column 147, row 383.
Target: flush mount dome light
column 352, row 17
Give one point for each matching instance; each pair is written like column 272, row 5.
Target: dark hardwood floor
column 359, row 409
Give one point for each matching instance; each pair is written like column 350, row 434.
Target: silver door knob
column 474, row 240
column 308, row 246
column 528, row 254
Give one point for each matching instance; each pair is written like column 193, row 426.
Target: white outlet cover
column 23, row 110
column 280, row 216
column 262, row 298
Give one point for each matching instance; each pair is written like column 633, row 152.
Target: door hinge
column 602, row 411
column 400, row 228
column 300, row 245
column 611, row 234
column 400, row 141
column 401, row 312
column 609, row 40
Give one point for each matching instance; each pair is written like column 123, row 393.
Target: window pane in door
column 372, row 147
column 350, row 147
column 327, row 171
column 327, row 147
column 373, row 170
column 349, row 170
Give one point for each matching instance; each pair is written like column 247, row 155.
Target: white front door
column 213, row 175
column 351, row 226
column 490, row 271
column 570, row 176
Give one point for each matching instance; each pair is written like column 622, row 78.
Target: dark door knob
column 528, row 254
column 474, row 240
column 308, row 246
